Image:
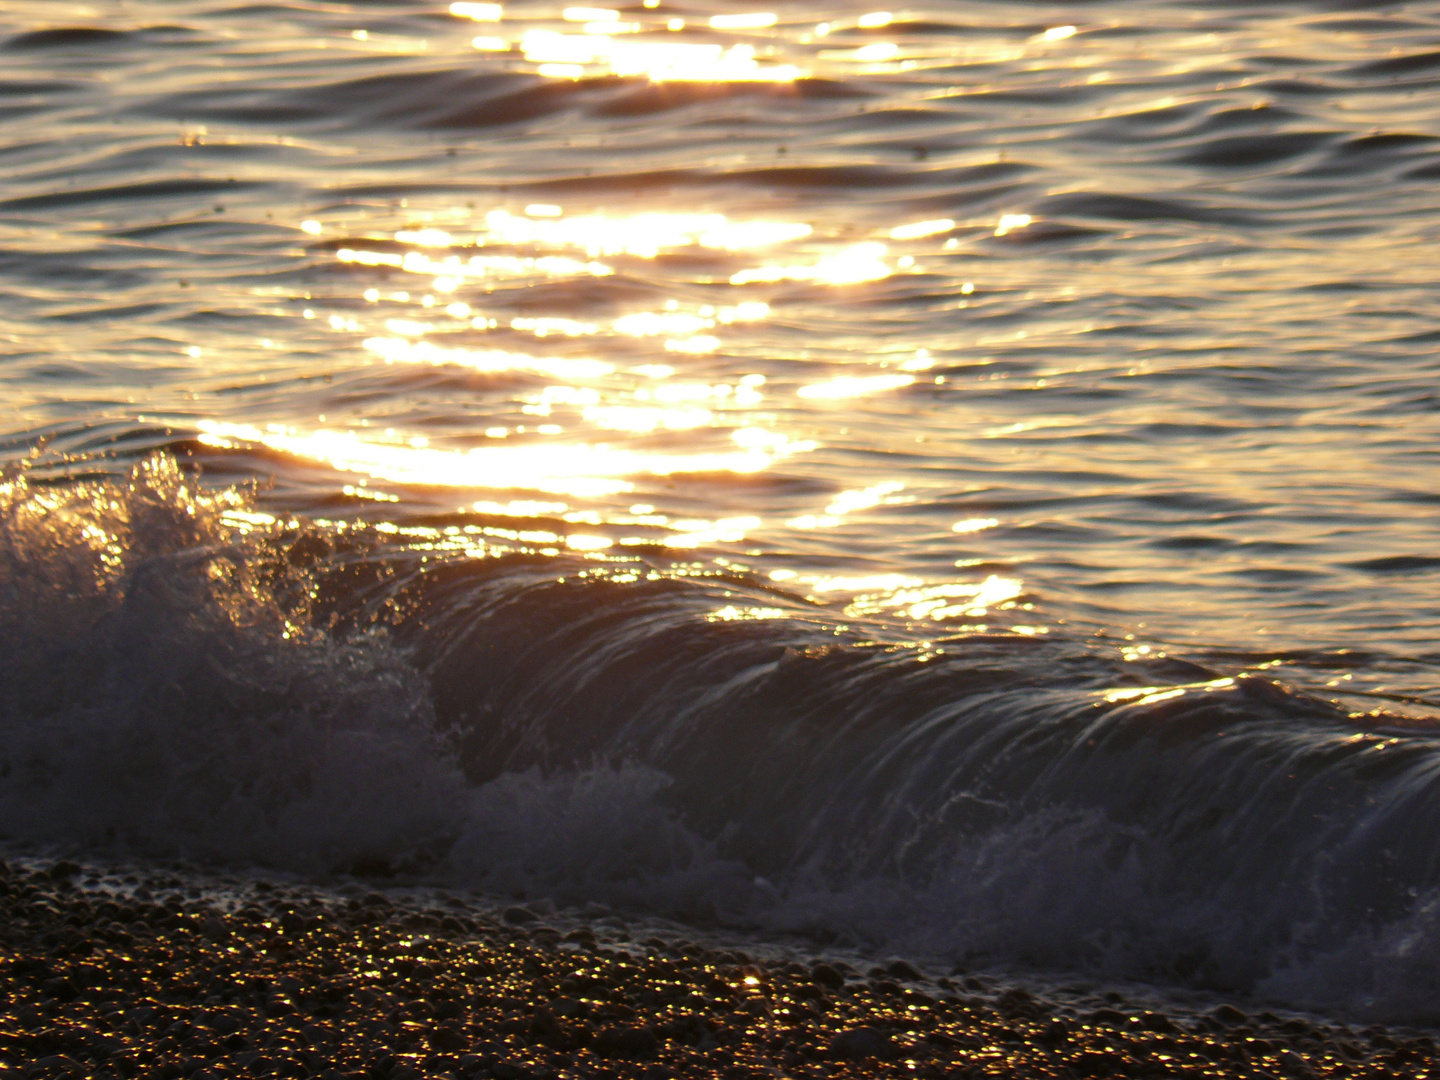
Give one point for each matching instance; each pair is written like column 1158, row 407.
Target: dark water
column 958, row 481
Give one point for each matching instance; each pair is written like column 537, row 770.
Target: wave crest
column 166, row 693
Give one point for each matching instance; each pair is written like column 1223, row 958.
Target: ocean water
column 958, row 481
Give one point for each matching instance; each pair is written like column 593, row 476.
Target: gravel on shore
column 125, row 973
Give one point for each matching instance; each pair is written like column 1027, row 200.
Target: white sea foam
column 159, row 697
column 595, row 834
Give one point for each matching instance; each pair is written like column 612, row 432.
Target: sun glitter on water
column 669, row 419
column 579, row 469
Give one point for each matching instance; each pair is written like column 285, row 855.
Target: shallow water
column 962, row 480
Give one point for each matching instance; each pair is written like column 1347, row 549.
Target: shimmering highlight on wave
column 574, row 56
column 581, row 470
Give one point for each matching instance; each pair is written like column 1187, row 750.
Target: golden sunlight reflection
column 477, row 12
column 848, row 502
column 451, row 271
column 645, row 235
column 920, row 229
column 876, row 56
column 743, row 22
column 877, row 52
column 684, row 418
column 574, row 56
column 362, row 490
column 424, row 237
column 653, row 323
column 396, row 350
column 579, row 470
column 544, row 326
column 853, row 386
column 754, row 438
column 701, row 343
column 705, row 317
column 674, row 393
column 938, row 602
column 974, row 525
column 661, row 402
column 759, row 47
column 911, row 597
column 1008, row 223
column 1057, row 33
column 731, row 613
column 519, row 508
column 696, row 346
column 243, row 520
column 852, row 266
column 1149, row 695
column 679, row 407
column 701, row 533
column 589, row 14
column 642, row 420
column 821, row 584
column 542, row 403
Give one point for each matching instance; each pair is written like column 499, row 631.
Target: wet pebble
column 358, row 985
column 865, row 1042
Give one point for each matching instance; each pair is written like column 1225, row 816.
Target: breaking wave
column 187, row 676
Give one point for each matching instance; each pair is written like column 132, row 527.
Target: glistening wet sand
column 152, row 974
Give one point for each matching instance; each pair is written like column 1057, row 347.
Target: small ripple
column 1383, row 143
column 1263, row 117
column 1046, row 232
column 1191, row 543
column 1276, row 575
column 1398, row 564
column 1305, row 88
column 25, row 87
column 1251, row 151
column 71, row 37
column 1112, row 207
column 107, row 313
column 1424, row 172
column 1414, row 64
column 154, row 189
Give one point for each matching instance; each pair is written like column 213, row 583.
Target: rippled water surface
column 1068, row 341
column 1155, row 341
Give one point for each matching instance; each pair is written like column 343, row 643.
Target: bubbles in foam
column 603, row 833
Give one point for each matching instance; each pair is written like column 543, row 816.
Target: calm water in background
column 912, row 400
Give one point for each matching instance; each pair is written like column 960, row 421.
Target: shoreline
column 149, row 971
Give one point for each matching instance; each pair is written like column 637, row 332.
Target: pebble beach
column 134, row 972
